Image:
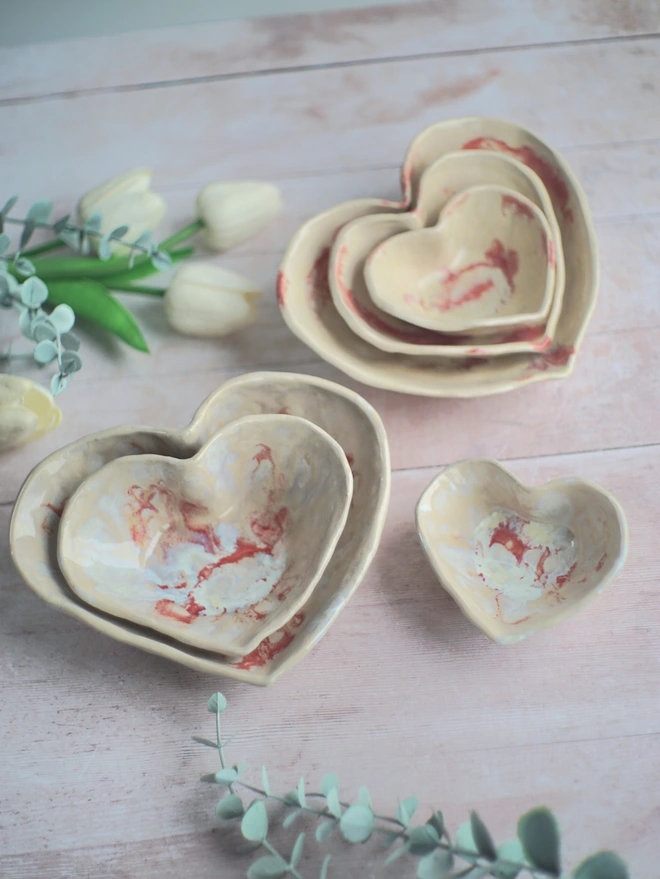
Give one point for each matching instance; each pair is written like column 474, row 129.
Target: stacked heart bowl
column 482, row 279
column 229, row 546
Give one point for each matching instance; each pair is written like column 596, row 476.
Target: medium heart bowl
column 219, row 550
column 518, row 559
column 342, row 413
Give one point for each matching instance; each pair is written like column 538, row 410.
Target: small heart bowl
column 518, row 559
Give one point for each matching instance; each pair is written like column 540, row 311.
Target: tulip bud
column 125, row 200
column 27, row 411
column 205, row 300
column 234, row 212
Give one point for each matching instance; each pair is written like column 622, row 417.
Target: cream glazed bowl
column 219, row 550
column 342, row 413
column 518, row 559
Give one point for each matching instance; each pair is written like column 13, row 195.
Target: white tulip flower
column 27, row 411
column 233, row 212
column 205, row 300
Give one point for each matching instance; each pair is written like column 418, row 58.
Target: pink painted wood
column 100, row 778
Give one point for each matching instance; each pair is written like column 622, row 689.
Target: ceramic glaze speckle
column 519, row 559
column 218, row 551
column 314, row 318
column 352, row 422
column 486, row 264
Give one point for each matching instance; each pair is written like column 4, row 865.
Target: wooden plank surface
column 403, row 694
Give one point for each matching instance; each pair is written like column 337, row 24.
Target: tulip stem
column 136, row 288
column 183, row 234
column 44, row 248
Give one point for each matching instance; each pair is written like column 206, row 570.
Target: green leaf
column 94, row 222
column 264, row 781
column 45, row 352
column 324, row 830
column 406, row 809
column 4, row 243
column 438, row 822
column 254, row 825
column 364, row 797
column 465, row 838
column 57, row 384
column 301, row 791
column 104, row 250
column 509, row 851
column 296, row 854
column 397, row 853
column 482, row 838
column 539, row 835
column 226, row 776
column 63, row 318
column 40, row 211
column 604, row 865
column 92, row 301
column 58, row 225
column 333, row 802
column 118, row 233
column 161, row 260
column 71, row 237
column 291, row 798
column 291, row 817
column 268, row 867
column 202, row 741
column 70, row 341
column 26, row 234
column 423, row 839
column 357, row 823
column 436, row 865
column 24, row 267
column 142, row 270
column 43, row 330
column 324, row 867
column 477, row 873
column 70, row 362
column 328, row 782
column 216, row 703
column 229, row 807
column 33, row 292
column 8, row 205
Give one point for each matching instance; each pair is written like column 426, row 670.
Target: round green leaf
column 364, row 797
column 324, row 830
column 104, row 250
column 328, row 782
column 33, row 292
column 296, row 854
column 357, row 823
column 509, row 851
column 229, row 807
column 25, row 324
column 94, row 222
column 423, row 839
column 45, row 352
column 482, row 838
column 333, row 802
column 70, row 341
column 436, row 865
column 290, row 818
column 62, row 317
column 438, row 822
column 225, row 776
column 40, row 211
column 118, row 233
column 465, row 839
column 539, row 835
column 161, row 260
column 24, row 266
column 70, row 362
column 254, row 825
column 43, row 329
column 268, row 867
column 604, row 865
column 57, row 384
column 216, row 703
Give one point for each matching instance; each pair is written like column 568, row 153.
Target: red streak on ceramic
column 317, row 281
column 282, row 288
column 558, row 357
column 600, row 564
column 245, row 549
column 510, row 202
column 564, row 578
column 506, row 536
column 549, row 174
column 540, row 565
column 270, row 648
column 58, row 510
column 528, row 334
column 167, row 608
column 265, row 454
column 551, row 253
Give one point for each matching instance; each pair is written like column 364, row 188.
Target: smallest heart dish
column 488, row 264
column 219, row 550
column 518, row 559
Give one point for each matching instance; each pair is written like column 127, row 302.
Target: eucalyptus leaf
column 603, row 865
column 301, row 791
column 70, row 362
column 364, row 797
column 438, row 822
column 465, row 838
column 8, row 283
column 143, row 269
column 58, row 225
column 291, row 798
column 423, row 839
column 324, row 830
column 539, row 835
column 94, row 222
column 8, row 205
column 477, row 872
column 24, row 266
column 92, row 301
column 57, row 384
column 40, row 211
column 411, row 804
column 226, row 776
column 482, row 838
column 71, row 342
column 324, row 867
column 397, row 853
column 216, row 703
column 436, row 865
column 296, row 854
column 328, row 782
column 143, row 240
column 70, row 237
column 333, row 802
column 512, row 851
column 402, row 813
column 161, row 260
column 63, row 317
column 26, row 233
column 85, row 244
column 229, row 807
column 254, row 825
column 25, row 323
column 264, row 781
column 357, row 823
column 43, row 330
column 45, row 352
column 4, row 243
column 199, row 739
column 291, row 817
column 33, row 292
column 104, row 250
column 268, row 867
column 118, row 233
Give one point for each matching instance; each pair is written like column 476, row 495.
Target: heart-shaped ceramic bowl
column 451, row 174
column 219, row 550
column 519, row 559
column 306, row 302
column 487, row 264
column 342, row 413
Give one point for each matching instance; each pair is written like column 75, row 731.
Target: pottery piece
column 342, row 413
column 487, row 264
column 441, row 181
column 306, row 303
column 518, row 559
column 219, row 550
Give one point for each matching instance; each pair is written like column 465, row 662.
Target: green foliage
column 536, row 853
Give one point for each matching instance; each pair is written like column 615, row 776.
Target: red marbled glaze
column 510, row 202
column 271, row 647
column 559, row 356
column 505, row 535
column 282, row 288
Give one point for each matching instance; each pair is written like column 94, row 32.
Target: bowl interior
column 488, row 262
column 219, row 550
column 518, row 559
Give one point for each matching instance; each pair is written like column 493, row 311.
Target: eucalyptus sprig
column 472, row 854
